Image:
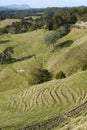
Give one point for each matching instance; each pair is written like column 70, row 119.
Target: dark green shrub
column 60, row 75
column 6, row 55
column 84, row 66
column 57, row 21
column 39, row 76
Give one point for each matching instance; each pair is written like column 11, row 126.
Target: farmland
column 23, row 105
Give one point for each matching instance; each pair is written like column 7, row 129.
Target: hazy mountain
column 15, row 7
column 2, row 8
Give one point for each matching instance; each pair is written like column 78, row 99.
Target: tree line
column 49, row 22
column 18, row 14
column 50, row 18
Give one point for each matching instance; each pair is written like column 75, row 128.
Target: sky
column 45, row 3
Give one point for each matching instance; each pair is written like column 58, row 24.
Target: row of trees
column 64, row 18
column 79, row 12
column 30, row 24
column 4, row 14
column 22, row 26
column 19, row 14
column 47, row 12
column 51, row 19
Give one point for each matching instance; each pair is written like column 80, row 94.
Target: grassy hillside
column 70, row 52
column 5, row 22
column 21, row 107
column 22, row 104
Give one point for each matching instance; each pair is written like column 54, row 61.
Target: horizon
column 45, row 3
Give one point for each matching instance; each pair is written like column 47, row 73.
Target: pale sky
column 45, row 3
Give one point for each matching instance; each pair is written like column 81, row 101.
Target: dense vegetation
column 4, row 14
column 50, row 18
column 40, row 75
column 31, row 24
column 22, row 26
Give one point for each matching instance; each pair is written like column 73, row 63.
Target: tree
column 2, row 58
column 57, row 21
column 40, row 75
column 50, row 39
column 49, row 24
column 83, row 65
column 6, row 55
column 70, row 17
column 63, row 30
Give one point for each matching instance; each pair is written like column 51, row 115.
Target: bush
column 84, row 66
column 39, row 76
column 60, row 75
column 6, row 55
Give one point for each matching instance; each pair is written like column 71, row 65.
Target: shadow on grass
column 23, row 58
column 13, row 60
column 4, row 41
column 64, row 44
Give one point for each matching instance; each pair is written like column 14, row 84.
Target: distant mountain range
column 15, row 7
column 26, row 6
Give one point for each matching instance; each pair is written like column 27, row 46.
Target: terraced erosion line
column 58, row 120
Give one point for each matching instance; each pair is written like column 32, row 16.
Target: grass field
column 6, row 22
column 22, row 105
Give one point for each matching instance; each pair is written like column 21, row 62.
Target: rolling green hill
column 22, row 105
column 6, row 22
